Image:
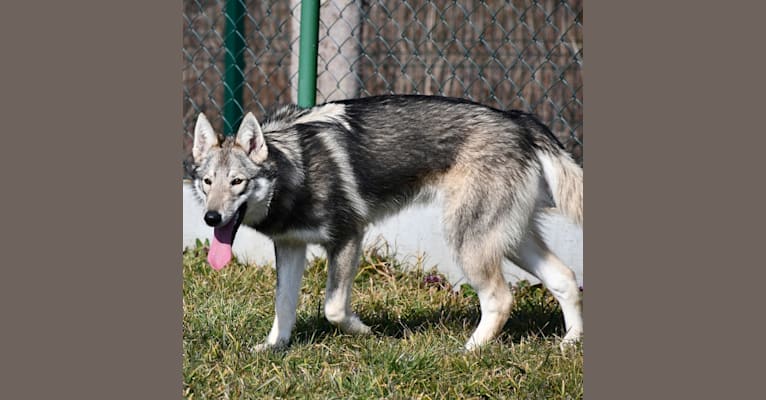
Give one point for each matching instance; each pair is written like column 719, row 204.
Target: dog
column 321, row 175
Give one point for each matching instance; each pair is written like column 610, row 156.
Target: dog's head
column 234, row 179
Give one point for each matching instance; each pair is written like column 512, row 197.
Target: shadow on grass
column 525, row 320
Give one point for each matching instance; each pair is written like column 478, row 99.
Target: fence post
column 234, row 43
column 307, row 62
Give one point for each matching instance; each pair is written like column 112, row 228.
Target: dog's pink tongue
column 220, row 250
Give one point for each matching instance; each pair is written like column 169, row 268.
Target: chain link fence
column 525, row 55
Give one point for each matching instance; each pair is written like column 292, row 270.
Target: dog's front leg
column 291, row 261
column 343, row 264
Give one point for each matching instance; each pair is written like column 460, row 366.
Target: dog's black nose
column 212, row 218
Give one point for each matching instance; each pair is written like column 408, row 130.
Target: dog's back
column 386, row 150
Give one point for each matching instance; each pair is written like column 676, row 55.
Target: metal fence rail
column 507, row 54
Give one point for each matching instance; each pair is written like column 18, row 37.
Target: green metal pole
column 234, row 43
column 307, row 58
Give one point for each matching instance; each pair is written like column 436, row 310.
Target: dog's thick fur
column 321, row 175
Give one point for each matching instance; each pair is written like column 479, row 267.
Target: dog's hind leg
column 534, row 257
column 479, row 241
column 291, row 261
column 343, row 263
column 495, row 298
column 485, row 216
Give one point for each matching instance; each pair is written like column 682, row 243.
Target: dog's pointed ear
column 204, row 138
column 250, row 138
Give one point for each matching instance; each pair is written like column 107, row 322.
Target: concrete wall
column 414, row 232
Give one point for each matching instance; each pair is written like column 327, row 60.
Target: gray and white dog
column 322, row 175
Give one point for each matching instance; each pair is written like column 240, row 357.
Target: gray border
column 673, row 97
column 91, row 285
column 90, row 101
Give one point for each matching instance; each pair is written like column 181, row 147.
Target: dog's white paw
column 474, row 344
column 264, row 347
column 570, row 341
column 260, row 348
column 470, row 346
column 354, row 326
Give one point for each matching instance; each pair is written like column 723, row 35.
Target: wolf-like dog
column 322, row 175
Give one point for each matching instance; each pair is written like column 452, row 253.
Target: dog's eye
column 236, row 181
column 207, row 181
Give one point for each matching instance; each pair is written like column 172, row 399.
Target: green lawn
column 420, row 323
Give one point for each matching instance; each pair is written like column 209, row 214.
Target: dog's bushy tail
column 564, row 179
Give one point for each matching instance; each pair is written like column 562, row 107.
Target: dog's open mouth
column 223, row 237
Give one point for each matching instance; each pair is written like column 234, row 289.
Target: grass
column 420, row 326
